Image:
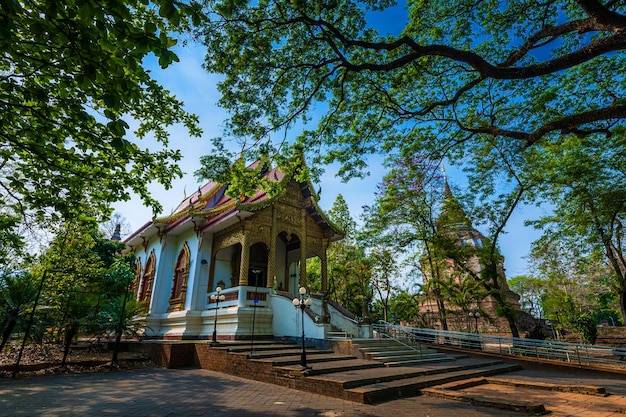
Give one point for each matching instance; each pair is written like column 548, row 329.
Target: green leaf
column 167, row 10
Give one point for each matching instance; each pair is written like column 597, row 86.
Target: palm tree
column 123, row 316
column 464, row 295
column 17, row 292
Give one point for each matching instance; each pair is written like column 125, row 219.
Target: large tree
column 573, row 278
column 585, row 180
column 403, row 218
column 349, row 265
column 87, row 273
column 415, row 213
column 497, row 86
column 73, row 78
column 460, row 78
column 17, row 292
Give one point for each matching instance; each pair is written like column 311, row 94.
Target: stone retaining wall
column 611, row 336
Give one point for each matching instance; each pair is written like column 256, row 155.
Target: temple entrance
column 292, row 260
column 224, row 270
column 257, row 268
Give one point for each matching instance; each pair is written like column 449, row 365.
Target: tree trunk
column 509, row 315
column 442, row 311
column 6, row 333
column 118, row 339
column 512, row 325
column 69, row 335
column 622, row 304
column 507, row 312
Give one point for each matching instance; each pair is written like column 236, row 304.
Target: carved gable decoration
column 208, row 208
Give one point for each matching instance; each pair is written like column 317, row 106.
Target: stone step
column 260, row 354
column 391, row 346
column 312, row 358
column 408, row 387
column 531, row 407
column 332, row 367
column 395, row 356
column 375, row 342
column 417, row 361
column 351, row 379
column 394, row 348
column 337, row 334
column 262, row 348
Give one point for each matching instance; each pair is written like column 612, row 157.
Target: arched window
column 179, row 284
column 145, row 288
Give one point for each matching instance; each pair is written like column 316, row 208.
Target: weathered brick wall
column 237, row 364
column 344, row 347
column 173, row 355
column 202, row 355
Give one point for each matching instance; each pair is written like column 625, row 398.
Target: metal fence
column 576, row 353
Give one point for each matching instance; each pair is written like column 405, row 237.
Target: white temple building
column 253, row 248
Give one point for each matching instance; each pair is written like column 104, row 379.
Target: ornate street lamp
column 303, row 301
column 217, row 298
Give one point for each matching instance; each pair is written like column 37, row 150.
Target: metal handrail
column 538, row 350
column 412, row 347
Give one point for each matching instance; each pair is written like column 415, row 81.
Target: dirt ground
column 46, row 359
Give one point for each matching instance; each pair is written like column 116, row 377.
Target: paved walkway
column 194, row 392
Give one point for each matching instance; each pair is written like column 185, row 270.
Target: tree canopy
column 508, row 89
column 72, row 80
column 349, row 266
column 11, row 243
column 585, row 183
column 462, row 79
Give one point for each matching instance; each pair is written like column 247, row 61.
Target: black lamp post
column 303, row 301
column 256, row 273
column 217, row 298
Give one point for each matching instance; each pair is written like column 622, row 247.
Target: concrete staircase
column 393, row 353
column 389, row 373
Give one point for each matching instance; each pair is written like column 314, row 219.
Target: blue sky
column 190, row 83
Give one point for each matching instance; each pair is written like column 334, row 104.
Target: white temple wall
column 155, row 245
column 164, row 275
column 198, row 293
column 287, row 320
column 142, row 256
